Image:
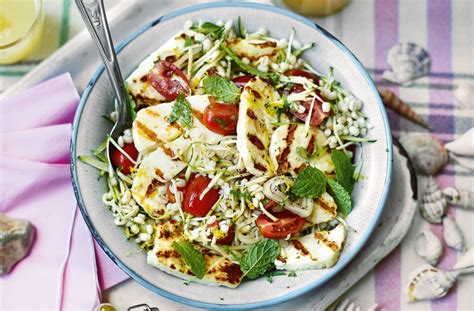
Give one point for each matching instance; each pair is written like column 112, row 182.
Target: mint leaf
column 344, row 170
column 310, row 183
column 222, row 89
column 192, row 257
column 248, row 68
column 188, row 41
column 259, row 257
column 341, row 196
column 181, row 112
column 210, row 29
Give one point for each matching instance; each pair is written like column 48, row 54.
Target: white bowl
column 90, row 129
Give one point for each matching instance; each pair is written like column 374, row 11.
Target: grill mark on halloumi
column 300, row 247
column 152, row 113
column 282, row 158
column 324, row 205
column 300, row 168
column 256, row 141
column 310, row 147
column 260, row 167
column 159, row 173
column 198, row 115
column 151, row 187
column 333, row 246
column 147, row 132
column 251, row 114
column 256, row 94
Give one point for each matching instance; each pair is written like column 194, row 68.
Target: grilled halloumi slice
column 324, row 209
column 254, row 128
column 284, row 145
column 151, row 127
column 253, row 49
column 138, row 87
column 220, row 270
column 156, row 168
column 317, row 250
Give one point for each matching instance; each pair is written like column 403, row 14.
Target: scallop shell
column 464, row 95
column 391, row 101
column 428, row 246
column 427, row 154
column 452, row 234
column 463, row 145
column 459, row 197
column 428, row 282
column 466, row 263
column 408, row 61
column 433, row 205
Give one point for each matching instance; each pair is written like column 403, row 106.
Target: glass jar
column 316, row 8
column 21, row 26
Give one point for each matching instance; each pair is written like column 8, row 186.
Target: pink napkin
column 60, row 271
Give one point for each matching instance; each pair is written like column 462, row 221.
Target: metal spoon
column 93, row 14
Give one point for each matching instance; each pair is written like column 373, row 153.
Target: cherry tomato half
column 169, row 80
column 227, row 240
column 221, row 118
column 191, row 202
column 121, row 161
column 317, row 116
column 241, row 81
column 287, row 223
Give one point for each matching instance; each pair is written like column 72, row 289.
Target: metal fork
column 93, row 14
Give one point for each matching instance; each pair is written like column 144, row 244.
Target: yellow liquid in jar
column 17, row 38
column 317, row 8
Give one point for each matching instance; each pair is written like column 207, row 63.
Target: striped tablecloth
column 369, row 28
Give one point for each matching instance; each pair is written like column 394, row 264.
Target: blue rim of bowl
column 342, row 262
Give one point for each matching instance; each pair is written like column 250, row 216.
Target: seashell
column 428, row 246
column 452, row 234
column 391, row 101
column 428, row 282
column 459, row 197
column 463, row 145
column 427, row 154
column 433, row 204
column 408, row 61
column 464, row 95
column 466, row 263
column 16, row 239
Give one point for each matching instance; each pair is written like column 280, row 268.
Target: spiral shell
column 459, row 197
column 408, row 61
column 452, row 234
column 428, row 282
column 427, row 154
column 391, row 101
column 433, row 205
column 463, row 145
column 428, row 247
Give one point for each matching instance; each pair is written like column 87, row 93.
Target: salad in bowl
column 241, row 159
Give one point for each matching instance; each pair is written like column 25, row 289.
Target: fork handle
column 93, row 14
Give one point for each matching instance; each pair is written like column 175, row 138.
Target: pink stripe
column 439, row 47
column 388, row 272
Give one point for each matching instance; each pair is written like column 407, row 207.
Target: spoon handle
column 93, row 14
